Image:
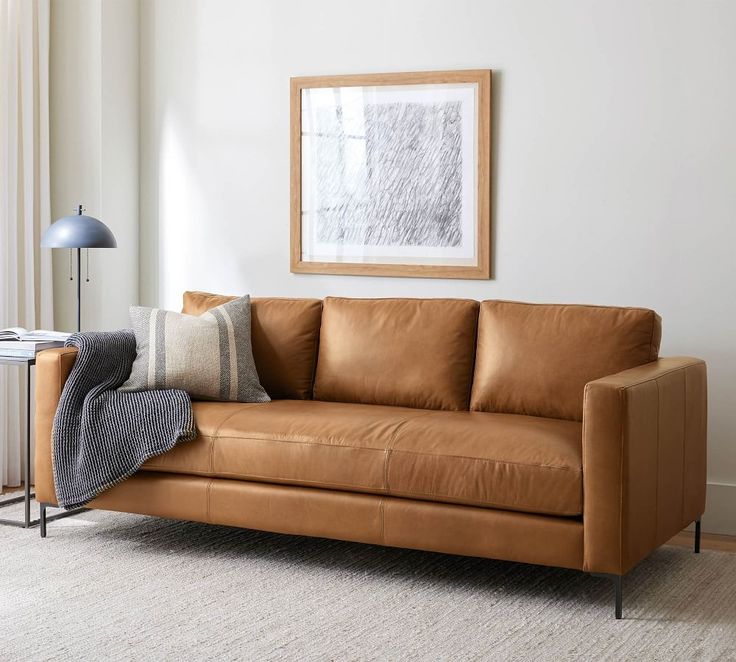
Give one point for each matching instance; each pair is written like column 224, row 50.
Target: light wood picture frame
column 391, row 174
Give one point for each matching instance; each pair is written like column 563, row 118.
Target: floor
column 712, row 541
column 112, row 586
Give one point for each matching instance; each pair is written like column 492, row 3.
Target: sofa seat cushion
column 482, row 459
column 325, row 444
column 506, row 461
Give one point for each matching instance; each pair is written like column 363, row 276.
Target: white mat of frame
column 115, row 586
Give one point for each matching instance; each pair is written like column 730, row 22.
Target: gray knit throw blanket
column 101, row 436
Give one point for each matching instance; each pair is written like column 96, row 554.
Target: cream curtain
column 25, row 269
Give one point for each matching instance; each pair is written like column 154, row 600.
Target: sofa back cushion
column 403, row 352
column 285, row 336
column 536, row 359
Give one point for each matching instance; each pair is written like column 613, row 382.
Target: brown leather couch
column 547, row 434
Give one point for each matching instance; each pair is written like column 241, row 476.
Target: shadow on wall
column 496, row 92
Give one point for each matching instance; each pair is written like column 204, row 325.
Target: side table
column 26, row 522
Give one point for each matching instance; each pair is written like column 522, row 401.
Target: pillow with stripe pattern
column 209, row 356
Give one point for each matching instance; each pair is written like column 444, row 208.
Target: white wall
column 614, row 154
column 94, row 151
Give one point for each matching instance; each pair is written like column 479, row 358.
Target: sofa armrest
column 644, row 460
column 52, row 369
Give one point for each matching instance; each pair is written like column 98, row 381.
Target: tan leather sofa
column 546, row 434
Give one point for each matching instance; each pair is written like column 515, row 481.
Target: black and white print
column 388, row 174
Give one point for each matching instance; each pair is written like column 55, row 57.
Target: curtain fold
column 25, row 269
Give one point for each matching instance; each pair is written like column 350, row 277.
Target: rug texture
column 110, row 586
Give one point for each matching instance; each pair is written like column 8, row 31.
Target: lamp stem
column 79, row 288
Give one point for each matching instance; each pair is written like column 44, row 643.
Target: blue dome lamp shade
column 78, row 231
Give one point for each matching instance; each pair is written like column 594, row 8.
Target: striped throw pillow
column 209, row 356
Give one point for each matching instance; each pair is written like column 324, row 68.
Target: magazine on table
column 20, row 334
column 17, row 342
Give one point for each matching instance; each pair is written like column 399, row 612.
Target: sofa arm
column 644, row 460
column 52, row 369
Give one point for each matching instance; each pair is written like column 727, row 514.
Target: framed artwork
column 390, row 174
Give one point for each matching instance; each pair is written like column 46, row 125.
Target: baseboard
column 720, row 509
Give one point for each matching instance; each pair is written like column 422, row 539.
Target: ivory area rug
column 111, row 586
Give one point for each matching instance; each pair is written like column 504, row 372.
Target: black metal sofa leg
column 618, row 579
column 42, row 520
column 618, row 590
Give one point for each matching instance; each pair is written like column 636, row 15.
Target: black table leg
column 26, row 522
column 27, row 477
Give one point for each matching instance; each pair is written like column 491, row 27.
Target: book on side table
column 17, row 342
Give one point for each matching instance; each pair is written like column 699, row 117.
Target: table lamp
column 78, row 231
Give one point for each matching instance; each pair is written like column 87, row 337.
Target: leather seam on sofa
column 208, row 491
column 371, row 489
column 621, row 469
column 655, row 531
column 216, row 434
column 653, row 351
column 649, row 380
column 533, row 465
column 157, row 462
column 451, row 499
column 315, row 353
column 310, row 442
column 420, row 300
column 384, row 451
column 382, row 519
column 390, row 447
column 60, row 382
column 469, row 398
column 163, row 469
column 684, row 436
column 352, row 487
column 569, row 305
